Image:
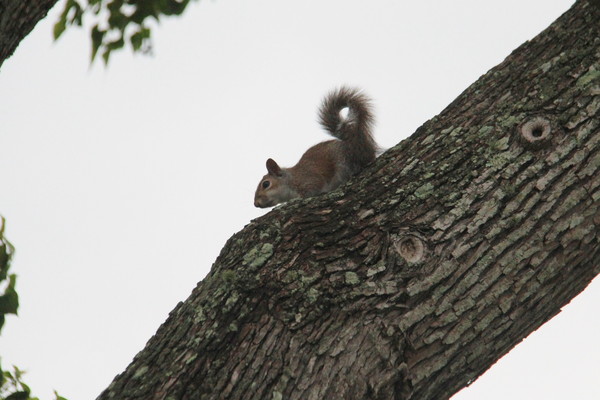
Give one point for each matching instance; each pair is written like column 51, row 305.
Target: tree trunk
column 412, row 280
column 17, row 19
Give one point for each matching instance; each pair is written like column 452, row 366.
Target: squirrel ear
column 273, row 168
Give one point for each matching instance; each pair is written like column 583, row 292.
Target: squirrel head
column 273, row 188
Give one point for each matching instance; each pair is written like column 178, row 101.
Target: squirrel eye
column 266, row 184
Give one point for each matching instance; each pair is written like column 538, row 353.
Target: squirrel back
column 326, row 165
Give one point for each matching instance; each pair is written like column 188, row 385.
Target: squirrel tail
column 353, row 129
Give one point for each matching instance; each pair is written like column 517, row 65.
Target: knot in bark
column 536, row 132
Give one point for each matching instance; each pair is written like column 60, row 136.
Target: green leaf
column 6, row 251
column 77, row 16
column 4, row 261
column 97, row 36
column 25, row 387
column 59, row 28
column 116, row 44
column 18, row 396
column 61, row 24
column 8, row 376
column 58, row 397
column 138, row 38
column 106, row 56
column 136, row 41
column 9, row 301
column 173, row 7
column 118, row 21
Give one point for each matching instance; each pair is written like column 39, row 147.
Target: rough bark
column 17, row 19
column 412, row 280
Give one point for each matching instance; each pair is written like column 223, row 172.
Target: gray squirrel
column 326, row 165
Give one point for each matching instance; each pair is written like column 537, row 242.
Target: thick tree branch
column 17, row 19
column 412, row 280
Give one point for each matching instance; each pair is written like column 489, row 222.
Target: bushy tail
column 354, row 129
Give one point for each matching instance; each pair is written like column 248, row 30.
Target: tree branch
column 17, row 19
column 412, row 280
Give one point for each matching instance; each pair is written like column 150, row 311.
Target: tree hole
column 536, row 129
column 537, row 132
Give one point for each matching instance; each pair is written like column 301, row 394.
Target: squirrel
column 326, row 165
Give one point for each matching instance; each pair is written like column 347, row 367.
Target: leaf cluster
column 117, row 22
column 12, row 386
column 9, row 299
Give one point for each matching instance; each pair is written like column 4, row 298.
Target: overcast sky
column 121, row 185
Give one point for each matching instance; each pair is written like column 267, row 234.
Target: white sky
column 120, row 186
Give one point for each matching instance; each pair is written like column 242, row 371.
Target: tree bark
column 17, row 19
column 412, row 280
